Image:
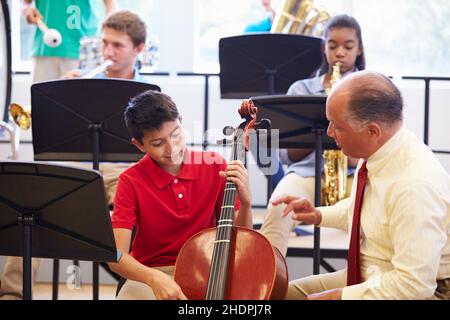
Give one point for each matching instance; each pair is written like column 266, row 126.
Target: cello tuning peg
column 263, row 124
column 228, row 130
column 224, row 142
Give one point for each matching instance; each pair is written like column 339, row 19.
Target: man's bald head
column 372, row 97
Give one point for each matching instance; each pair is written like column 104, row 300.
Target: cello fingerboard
column 221, row 253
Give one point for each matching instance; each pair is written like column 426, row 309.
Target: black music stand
column 51, row 211
column 265, row 63
column 302, row 123
column 84, row 121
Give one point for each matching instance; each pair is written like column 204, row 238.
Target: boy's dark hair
column 128, row 22
column 148, row 111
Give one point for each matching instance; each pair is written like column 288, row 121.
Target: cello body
column 257, row 270
column 230, row 262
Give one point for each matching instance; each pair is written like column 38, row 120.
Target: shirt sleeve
column 284, row 157
column 336, row 216
column 297, row 88
column 125, row 205
column 418, row 236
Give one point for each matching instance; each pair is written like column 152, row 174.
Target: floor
column 43, row 291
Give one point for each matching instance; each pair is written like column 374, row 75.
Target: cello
column 229, row 262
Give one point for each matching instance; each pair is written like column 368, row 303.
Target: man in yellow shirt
column 398, row 213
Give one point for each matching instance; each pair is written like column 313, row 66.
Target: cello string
column 221, row 252
column 217, row 267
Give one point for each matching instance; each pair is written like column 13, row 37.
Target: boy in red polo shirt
column 169, row 195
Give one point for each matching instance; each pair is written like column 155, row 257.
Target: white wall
column 174, row 20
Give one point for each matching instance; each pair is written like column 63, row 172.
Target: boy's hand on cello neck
column 238, row 174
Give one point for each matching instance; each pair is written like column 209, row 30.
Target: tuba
column 300, row 17
column 334, row 186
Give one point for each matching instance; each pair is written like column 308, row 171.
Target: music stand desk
column 83, row 120
column 265, row 63
column 52, row 211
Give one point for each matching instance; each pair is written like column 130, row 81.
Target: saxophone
column 334, row 184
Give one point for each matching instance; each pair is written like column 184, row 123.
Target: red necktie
column 354, row 268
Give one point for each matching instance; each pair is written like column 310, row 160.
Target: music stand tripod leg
column 317, row 197
column 27, row 222
column 96, row 130
column 55, row 283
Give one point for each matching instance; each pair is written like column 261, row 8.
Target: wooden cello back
column 230, row 262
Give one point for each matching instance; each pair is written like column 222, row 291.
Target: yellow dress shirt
column 405, row 222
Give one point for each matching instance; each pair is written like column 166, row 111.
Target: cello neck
column 229, row 196
column 222, row 245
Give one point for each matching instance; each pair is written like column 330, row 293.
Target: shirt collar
column 377, row 160
column 136, row 76
column 162, row 178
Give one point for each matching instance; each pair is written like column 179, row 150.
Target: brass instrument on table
column 300, row 17
column 19, row 118
column 334, row 186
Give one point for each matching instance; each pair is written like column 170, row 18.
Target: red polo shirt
column 168, row 210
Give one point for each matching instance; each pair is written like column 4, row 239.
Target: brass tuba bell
column 20, row 116
column 300, row 17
